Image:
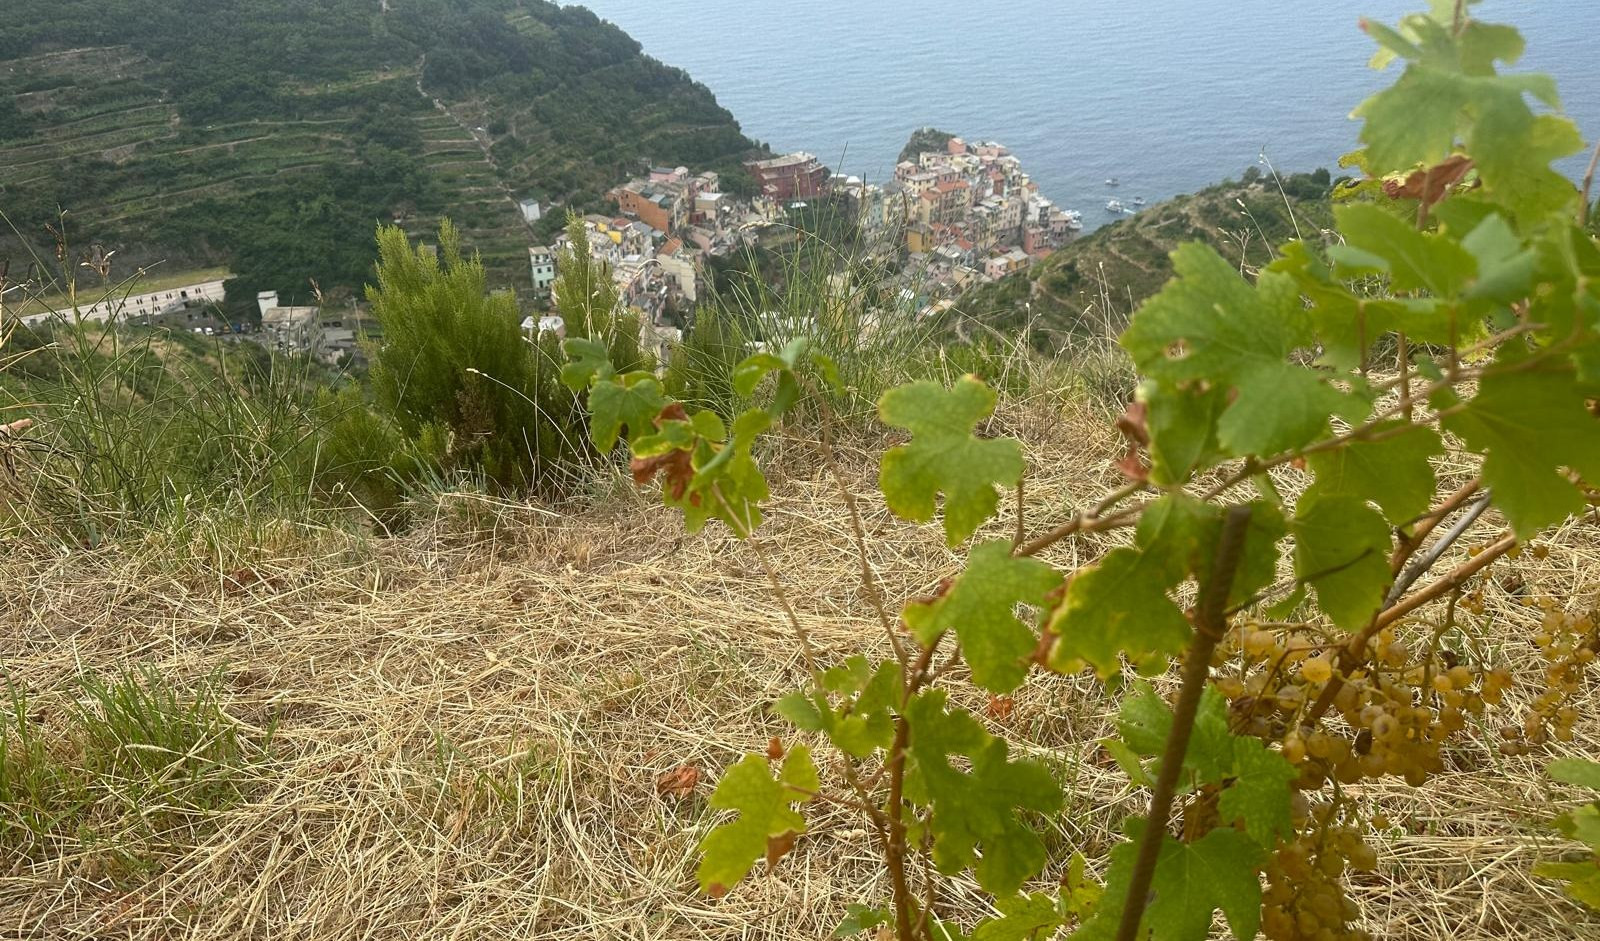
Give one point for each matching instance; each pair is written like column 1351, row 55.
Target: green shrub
column 459, row 386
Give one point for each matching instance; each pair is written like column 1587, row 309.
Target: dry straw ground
column 472, row 719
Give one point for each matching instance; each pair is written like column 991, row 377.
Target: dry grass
column 471, row 720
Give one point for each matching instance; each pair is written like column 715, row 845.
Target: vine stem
column 1211, row 622
column 869, row 582
column 1355, row 652
column 1588, row 185
column 1087, row 521
column 904, row 902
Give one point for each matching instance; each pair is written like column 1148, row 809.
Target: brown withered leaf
column 1131, row 466
column 675, row 468
column 1432, row 184
column 1133, row 425
column 779, row 847
column 1135, row 430
column 1001, row 707
column 716, row 890
column 680, row 782
column 239, row 579
column 774, row 748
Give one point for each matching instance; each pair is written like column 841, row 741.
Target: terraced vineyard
column 262, row 145
column 1093, row 284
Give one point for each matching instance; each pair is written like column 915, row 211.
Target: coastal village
column 952, row 217
column 957, row 216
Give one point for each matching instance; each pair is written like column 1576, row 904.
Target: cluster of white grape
column 1568, row 644
column 1305, row 899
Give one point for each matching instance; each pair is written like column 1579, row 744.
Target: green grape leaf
column 634, row 402
column 1342, row 550
column 1079, row 893
column 1582, row 824
column 1182, row 422
column 1529, row 422
column 1582, row 879
column 787, row 363
column 1413, row 260
column 1505, row 265
column 1022, row 918
column 749, row 373
column 980, row 606
column 1483, row 44
column 587, row 361
column 1144, row 721
column 1117, row 605
column 1209, row 325
column 704, row 476
column 1513, row 149
column 1120, row 605
column 1258, row 563
column 944, row 456
column 1192, row 880
column 863, row 722
column 1260, row 794
column 1128, row 760
column 1394, row 470
column 860, row 918
column 977, row 808
column 766, row 819
column 1413, row 121
column 1346, row 323
column 1576, row 771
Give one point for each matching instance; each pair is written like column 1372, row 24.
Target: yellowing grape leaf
column 1342, row 549
column 1208, row 325
column 1530, row 422
column 1392, row 470
column 766, row 816
column 977, row 809
column 944, row 456
column 980, row 606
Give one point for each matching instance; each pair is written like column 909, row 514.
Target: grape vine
column 1458, row 313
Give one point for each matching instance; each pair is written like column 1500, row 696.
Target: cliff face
column 271, row 135
column 1093, row 284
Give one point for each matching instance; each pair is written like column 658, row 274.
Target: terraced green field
column 266, row 147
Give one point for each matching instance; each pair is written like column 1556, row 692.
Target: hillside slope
column 1093, row 284
column 271, row 135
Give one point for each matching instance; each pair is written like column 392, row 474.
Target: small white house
column 531, row 212
column 532, row 328
column 542, row 263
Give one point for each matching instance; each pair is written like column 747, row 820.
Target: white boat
column 1115, row 205
column 1113, row 182
column 1138, row 200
